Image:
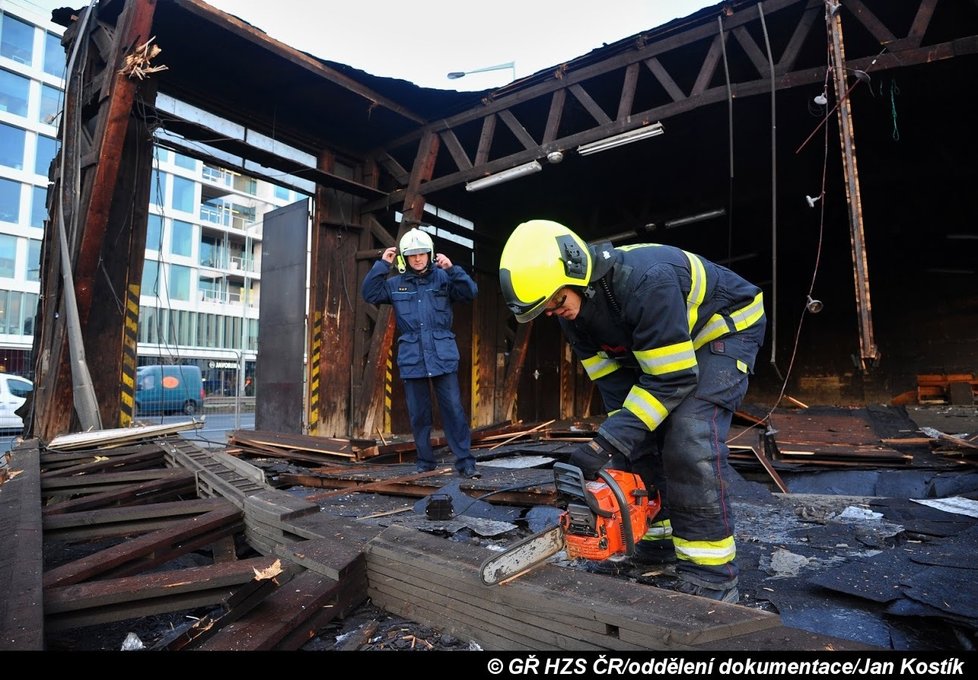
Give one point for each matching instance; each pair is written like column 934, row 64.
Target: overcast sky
column 422, row 41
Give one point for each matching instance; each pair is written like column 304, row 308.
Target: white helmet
column 416, row 242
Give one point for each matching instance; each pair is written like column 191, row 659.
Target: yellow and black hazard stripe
column 314, row 371
column 130, row 338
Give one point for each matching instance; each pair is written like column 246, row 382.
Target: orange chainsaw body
column 598, row 530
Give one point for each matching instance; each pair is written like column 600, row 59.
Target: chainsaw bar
column 522, row 555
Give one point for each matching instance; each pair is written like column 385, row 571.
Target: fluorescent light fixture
column 503, row 176
column 693, row 219
column 618, row 140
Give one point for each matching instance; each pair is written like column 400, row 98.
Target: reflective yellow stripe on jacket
column 697, row 289
column 599, row 366
column 645, row 407
column 668, row 359
column 745, row 317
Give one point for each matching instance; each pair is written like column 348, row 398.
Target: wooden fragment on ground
column 167, row 484
column 375, row 486
column 769, row 468
column 108, row 600
column 126, row 520
column 358, row 638
column 21, row 553
column 291, row 615
column 149, row 550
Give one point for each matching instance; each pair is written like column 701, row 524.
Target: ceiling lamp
column 619, row 140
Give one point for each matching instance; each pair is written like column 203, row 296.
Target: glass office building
column 201, row 282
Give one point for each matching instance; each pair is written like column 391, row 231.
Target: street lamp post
column 511, row 65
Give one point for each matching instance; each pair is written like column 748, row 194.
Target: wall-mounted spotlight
column 618, row 140
column 813, row 306
column 811, row 201
column 503, row 176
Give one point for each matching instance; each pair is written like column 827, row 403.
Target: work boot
column 729, row 595
column 421, row 467
column 469, row 471
column 654, row 552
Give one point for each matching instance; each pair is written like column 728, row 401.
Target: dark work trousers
column 455, row 422
column 686, row 458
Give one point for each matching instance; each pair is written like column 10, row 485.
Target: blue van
column 169, row 389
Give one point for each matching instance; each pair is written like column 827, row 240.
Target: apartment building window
column 151, row 278
column 50, row 110
column 154, row 233
column 157, row 190
column 184, row 194
column 8, row 255
column 178, row 285
column 182, row 161
column 13, row 93
column 33, row 259
column 47, row 149
column 12, row 146
column 206, row 330
column 9, row 201
column 209, row 289
column 55, row 60
column 11, row 304
column 282, row 193
column 16, row 39
column 39, row 206
column 182, row 238
column 148, row 324
column 210, row 252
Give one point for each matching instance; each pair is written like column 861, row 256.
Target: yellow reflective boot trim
column 659, row 531
column 668, row 359
column 707, row 553
column 645, row 407
column 599, row 366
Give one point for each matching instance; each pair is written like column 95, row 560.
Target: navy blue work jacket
column 426, row 344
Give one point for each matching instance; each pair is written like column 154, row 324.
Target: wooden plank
column 149, row 550
column 174, row 482
column 21, row 551
column 469, row 613
column 146, row 457
column 277, row 617
column 666, row 619
column 157, row 586
column 123, row 521
column 102, row 481
column 326, row 556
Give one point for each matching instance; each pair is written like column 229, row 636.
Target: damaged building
column 816, row 148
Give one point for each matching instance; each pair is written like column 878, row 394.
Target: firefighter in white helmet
column 422, row 294
column 669, row 338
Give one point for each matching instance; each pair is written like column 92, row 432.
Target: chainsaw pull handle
column 569, row 481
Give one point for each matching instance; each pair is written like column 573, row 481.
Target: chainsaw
column 601, row 520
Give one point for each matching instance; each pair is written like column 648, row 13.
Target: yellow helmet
column 539, row 258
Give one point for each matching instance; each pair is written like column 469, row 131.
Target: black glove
column 590, row 457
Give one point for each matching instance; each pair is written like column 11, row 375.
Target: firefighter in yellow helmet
column 669, row 338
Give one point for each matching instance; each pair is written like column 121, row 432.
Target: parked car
column 14, row 391
column 169, row 389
